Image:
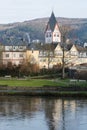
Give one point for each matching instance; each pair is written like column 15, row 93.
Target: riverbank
column 25, row 82
column 74, row 94
column 72, row 91
column 38, row 87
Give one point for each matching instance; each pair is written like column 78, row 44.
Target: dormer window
column 20, row 47
column 14, row 48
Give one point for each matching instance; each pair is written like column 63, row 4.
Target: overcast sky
column 22, row 10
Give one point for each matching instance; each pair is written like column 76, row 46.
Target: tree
column 49, row 53
column 29, row 66
column 64, row 30
column 1, row 53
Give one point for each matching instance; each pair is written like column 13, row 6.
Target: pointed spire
column 52, row 21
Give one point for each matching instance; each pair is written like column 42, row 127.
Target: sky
column 23, row 10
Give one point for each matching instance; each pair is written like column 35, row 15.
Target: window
column 44, row 60
column 73, row 53
column 48, row 35
column 14, row 47
column 7, row 55
column 41, row 53
column 58, row 53
column 41, row 60
column 20, row 55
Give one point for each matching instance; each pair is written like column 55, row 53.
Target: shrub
column 81, row 75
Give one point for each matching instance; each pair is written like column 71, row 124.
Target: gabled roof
column 78, row 48
column 58, row 47
column 52, row 22
column 81, row 49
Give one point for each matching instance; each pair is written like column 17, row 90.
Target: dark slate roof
column 33, row 46
column 78, row 47
column 65, row 46
column 52, row 22
column 81, row 49
column 50, row 47
column 41, row 46
column 14, row 44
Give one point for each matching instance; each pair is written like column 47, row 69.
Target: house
column 73, row 52
column 32, row 53
column 45, row 55
column 82, row 51
column 52, row 32
column 77, row 55
column 15, row 54
column 78, row 51
column 50, row 55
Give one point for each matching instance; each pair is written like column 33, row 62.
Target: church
column 52, row 31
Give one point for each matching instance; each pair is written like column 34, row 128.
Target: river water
column 33, row 113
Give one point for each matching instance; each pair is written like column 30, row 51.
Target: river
column 38, row 113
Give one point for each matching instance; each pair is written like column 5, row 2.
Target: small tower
column 52, row 32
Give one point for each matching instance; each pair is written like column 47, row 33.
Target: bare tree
column 64, row 30
column 28, row 68
column 1, row 53
column 47, row 53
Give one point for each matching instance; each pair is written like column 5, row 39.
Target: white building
column 14, row 54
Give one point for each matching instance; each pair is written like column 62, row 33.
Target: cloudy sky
column 22, row 10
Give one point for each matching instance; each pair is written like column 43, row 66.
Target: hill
column 34, row 29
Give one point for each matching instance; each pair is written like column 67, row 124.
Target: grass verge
column 41, row 82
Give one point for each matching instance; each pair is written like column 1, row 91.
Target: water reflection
column 26, row 113
column 62, row 114
column 58, row 112
column 9, row 106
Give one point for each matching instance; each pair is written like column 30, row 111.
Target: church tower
column 52, row 32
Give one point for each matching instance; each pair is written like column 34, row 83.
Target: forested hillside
column 18, row 32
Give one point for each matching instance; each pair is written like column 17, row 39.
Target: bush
column 81, row 75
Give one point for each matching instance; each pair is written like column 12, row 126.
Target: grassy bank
column 43, row 87
column 27, row 83
column 42, row 82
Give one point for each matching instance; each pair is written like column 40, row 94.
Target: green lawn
column 40, row 82
column 30, row 83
